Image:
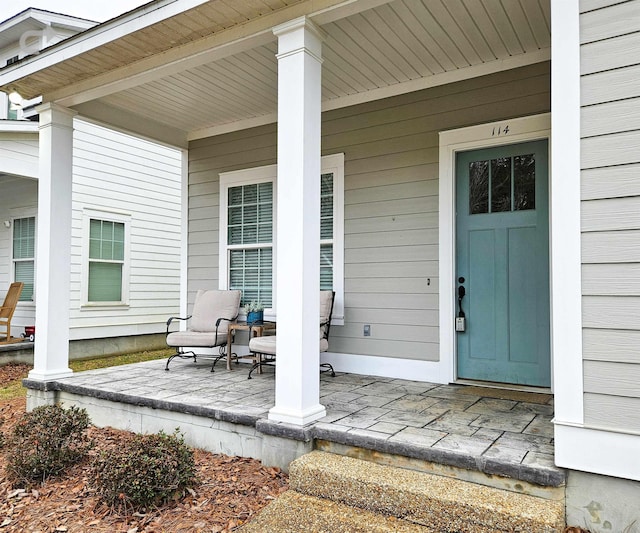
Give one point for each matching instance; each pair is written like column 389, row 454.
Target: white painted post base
column 297, row 417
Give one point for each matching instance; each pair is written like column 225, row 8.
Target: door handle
column 461, row 293
column 460, row 318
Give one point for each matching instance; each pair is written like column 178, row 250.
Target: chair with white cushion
column 264, row 348
column 208, row 326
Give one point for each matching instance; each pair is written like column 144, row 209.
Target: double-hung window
column 248, row 233
column 250, row 241
column 24, row 250
column 106, row 259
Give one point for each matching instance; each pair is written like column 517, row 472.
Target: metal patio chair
column 264, row 348
column 207, row 327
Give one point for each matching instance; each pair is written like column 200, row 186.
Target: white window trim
column 109, row 216
column 237, row 178
column 481, row 136
column 18, row 214
column 330, row 164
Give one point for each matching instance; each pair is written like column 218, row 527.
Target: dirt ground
column 230, row 491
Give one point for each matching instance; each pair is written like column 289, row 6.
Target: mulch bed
column 231, row 490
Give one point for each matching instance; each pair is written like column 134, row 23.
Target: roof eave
column 130, row 22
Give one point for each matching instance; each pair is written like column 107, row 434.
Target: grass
column 15, row 389
column 117, row 360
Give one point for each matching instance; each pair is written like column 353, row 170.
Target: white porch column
column 298, row 223
column 53, row 252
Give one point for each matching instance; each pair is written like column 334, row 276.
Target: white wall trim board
column 481, row 136
column 597, row 451
column 566, row 278
column 371, row 365
column 18, row 126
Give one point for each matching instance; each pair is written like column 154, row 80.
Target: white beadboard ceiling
column 394, row 47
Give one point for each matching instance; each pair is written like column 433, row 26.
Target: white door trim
column 509, row 131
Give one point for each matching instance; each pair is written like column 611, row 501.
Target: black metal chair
column 264, row 348
column 208, row 326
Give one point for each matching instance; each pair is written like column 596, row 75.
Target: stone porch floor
column 510, row 435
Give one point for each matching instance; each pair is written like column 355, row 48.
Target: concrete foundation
column 602, row 504
column 22, row 352
column 217, row 436
column 279, row 451
column 38, row 398
column 86, row 348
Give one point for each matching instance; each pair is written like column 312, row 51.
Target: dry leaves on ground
column 230, row 492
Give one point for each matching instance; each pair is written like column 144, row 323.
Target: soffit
column 390, row 45
column 209, row 18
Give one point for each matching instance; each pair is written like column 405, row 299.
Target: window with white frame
column 24, row 251
column 248, row 233
column 106, row 259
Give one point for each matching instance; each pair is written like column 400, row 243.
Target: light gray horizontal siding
column 614, row 345
column 614, row 379
column 610, row 85
column 610, row 182
column 611, row 312
column 610, row 158
column 614, row 20
column 612, row 412
column 619, row 279
column 207, row 159
column 609, row 150
column 611, row 214
column 611, row 247
column 611, row 117
column 590, row 5
column 609, row 54
column 391, row 201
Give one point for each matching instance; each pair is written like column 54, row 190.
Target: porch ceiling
column 373, row 49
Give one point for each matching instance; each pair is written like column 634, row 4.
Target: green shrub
column 149, row 470
column 45, row 442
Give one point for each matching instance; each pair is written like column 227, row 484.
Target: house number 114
column 500, row 130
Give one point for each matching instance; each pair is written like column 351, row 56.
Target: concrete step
column 443, row 503
column 293, row 512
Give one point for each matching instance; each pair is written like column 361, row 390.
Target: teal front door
column 502, row 250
